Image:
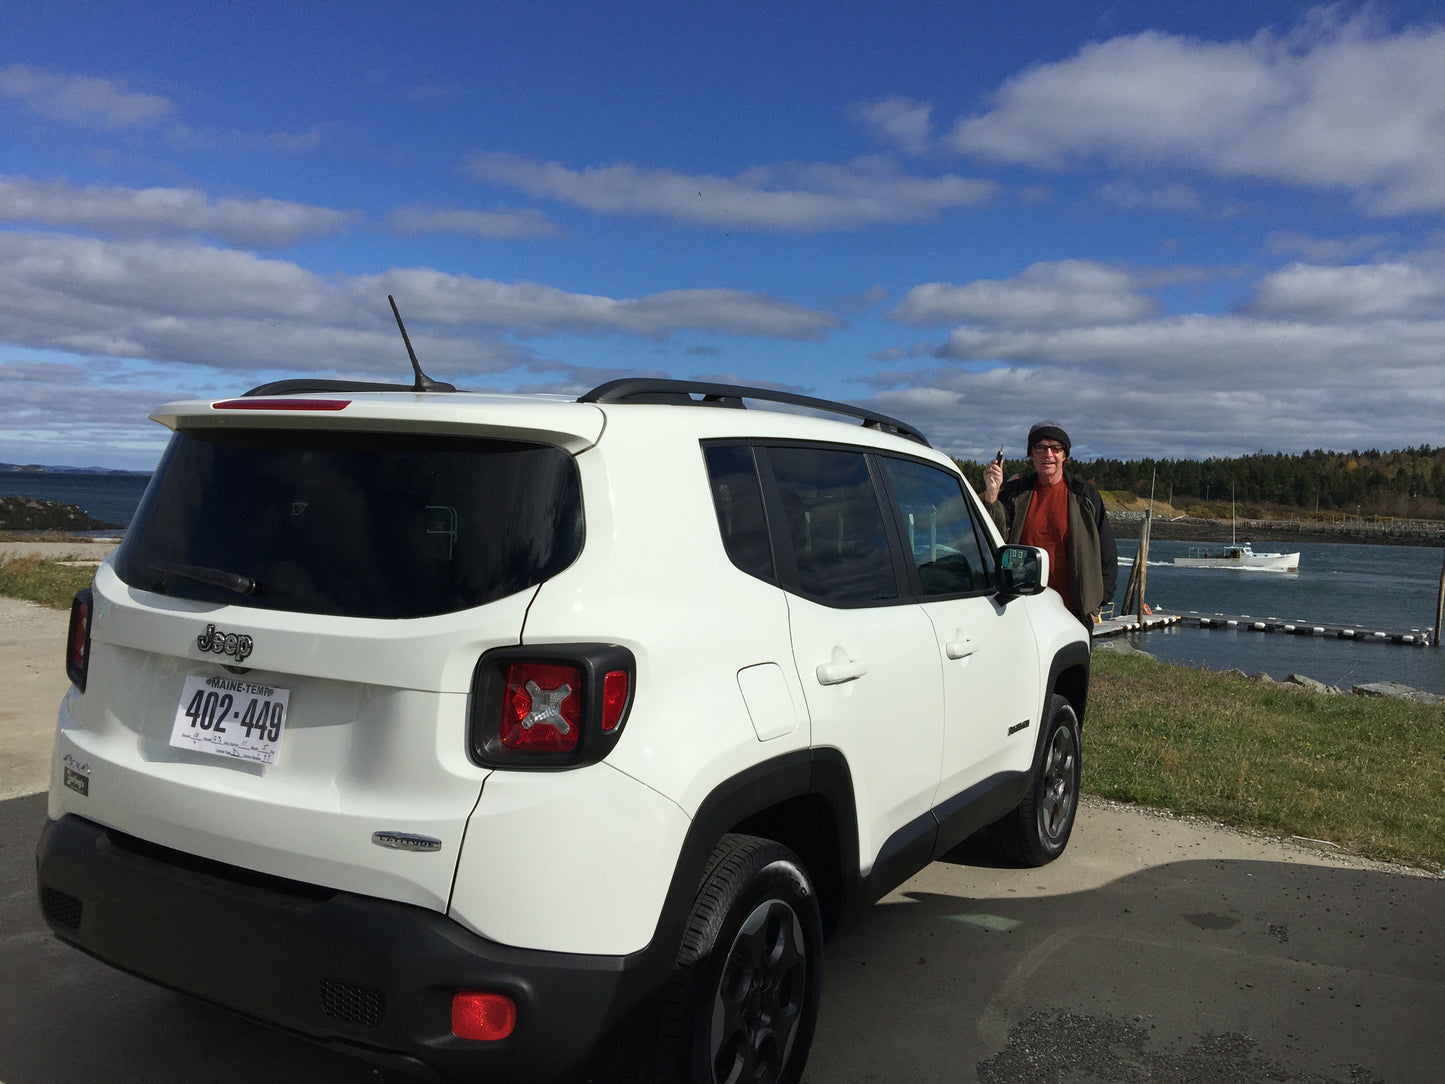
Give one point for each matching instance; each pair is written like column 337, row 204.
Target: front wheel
column 744, row 998
column 1037, row 831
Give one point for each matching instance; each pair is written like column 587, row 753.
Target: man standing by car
column 1062, row 514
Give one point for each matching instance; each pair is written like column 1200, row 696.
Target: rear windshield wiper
column 215, row 577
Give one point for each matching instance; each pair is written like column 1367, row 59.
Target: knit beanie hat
column 1048, row 430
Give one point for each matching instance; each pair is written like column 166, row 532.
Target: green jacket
column 1093, row 554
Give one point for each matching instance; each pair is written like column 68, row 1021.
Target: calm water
column 1381, row 587
column 1386, row 587
column 111, row 498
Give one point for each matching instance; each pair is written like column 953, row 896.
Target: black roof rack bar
column 641, row 389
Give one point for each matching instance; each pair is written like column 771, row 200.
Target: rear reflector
column 482, row 1016
column 281, row 404
column 614, row 699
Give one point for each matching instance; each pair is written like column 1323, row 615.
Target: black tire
column 1037, row 831
column 743, row 1001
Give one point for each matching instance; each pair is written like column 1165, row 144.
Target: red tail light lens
column 542, row 711
column 482, row 1016
column 550, row 706
column 77, row 640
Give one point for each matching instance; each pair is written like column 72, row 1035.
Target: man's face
column 1048, row 460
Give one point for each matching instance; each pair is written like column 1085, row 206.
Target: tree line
column 1406, row 484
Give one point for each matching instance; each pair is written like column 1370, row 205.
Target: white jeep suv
column 514, row 737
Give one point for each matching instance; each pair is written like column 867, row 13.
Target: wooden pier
column 1194, row 619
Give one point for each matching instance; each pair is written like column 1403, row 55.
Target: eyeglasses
column 1048, row 448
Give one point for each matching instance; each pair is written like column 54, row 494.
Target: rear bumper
column 374, row 976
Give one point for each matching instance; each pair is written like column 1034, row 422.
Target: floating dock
column 1193, row 619
column 1411, row 637
column 1113, row 626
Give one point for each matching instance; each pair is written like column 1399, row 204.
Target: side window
column 834, row 525
column 943, row 538
column 739, row 502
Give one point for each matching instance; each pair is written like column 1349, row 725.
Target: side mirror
column 1022, row 570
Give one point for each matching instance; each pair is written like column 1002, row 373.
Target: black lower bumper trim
column 369, row 975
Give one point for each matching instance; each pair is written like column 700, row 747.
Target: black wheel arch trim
column 819, row 774
column 1069, row 678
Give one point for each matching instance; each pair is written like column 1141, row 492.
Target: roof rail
column 639, row 389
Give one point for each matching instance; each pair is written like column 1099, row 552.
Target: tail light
column 555, row 706
column 77, row 640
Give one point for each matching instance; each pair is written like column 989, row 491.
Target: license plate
column 231, row 718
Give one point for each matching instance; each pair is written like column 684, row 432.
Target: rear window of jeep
column 352, row 524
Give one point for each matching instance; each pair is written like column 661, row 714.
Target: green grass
column 49, row 582
column 1363, row 773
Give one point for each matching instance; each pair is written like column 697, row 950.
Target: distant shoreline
column 1284, row 531
column 31, row 469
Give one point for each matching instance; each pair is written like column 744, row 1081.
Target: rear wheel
column 1037, row 831
column 744, row 998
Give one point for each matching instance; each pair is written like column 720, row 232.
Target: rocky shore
column 27, row 514
column 1390, row 690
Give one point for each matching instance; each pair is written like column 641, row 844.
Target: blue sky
column 1184, row 230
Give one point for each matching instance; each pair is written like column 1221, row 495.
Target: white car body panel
column 573, row 861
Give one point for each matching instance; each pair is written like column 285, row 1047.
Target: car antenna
column 423, row 382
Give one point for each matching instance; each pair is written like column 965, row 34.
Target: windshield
column 354, row 524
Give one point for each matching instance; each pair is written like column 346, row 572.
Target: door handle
column 840, row 669
column 960, row 649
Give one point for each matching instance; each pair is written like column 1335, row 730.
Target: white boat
column 1238, row 555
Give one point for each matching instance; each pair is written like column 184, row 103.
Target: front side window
column 943, row 537
column 354, row 524
column 834, row 525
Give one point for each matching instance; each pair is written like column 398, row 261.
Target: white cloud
column 191, row 304
column 1214, row 352
column 1331, row 106
column 796, row 197
column 78, row 99
column 900, row 122
column 1350, row 294
column 1323, row 249
column 1065, row 292
column 503, row 224
column 532, row 309
column 261, row 223
column 1166, row 410
column 1321, row 356
column 47, row 409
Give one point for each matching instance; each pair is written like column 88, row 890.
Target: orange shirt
column 1046, row 525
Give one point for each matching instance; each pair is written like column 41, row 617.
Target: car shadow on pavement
column 1195, row 970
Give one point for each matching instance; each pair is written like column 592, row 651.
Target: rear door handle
column 960, row 649
column 840, row 669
